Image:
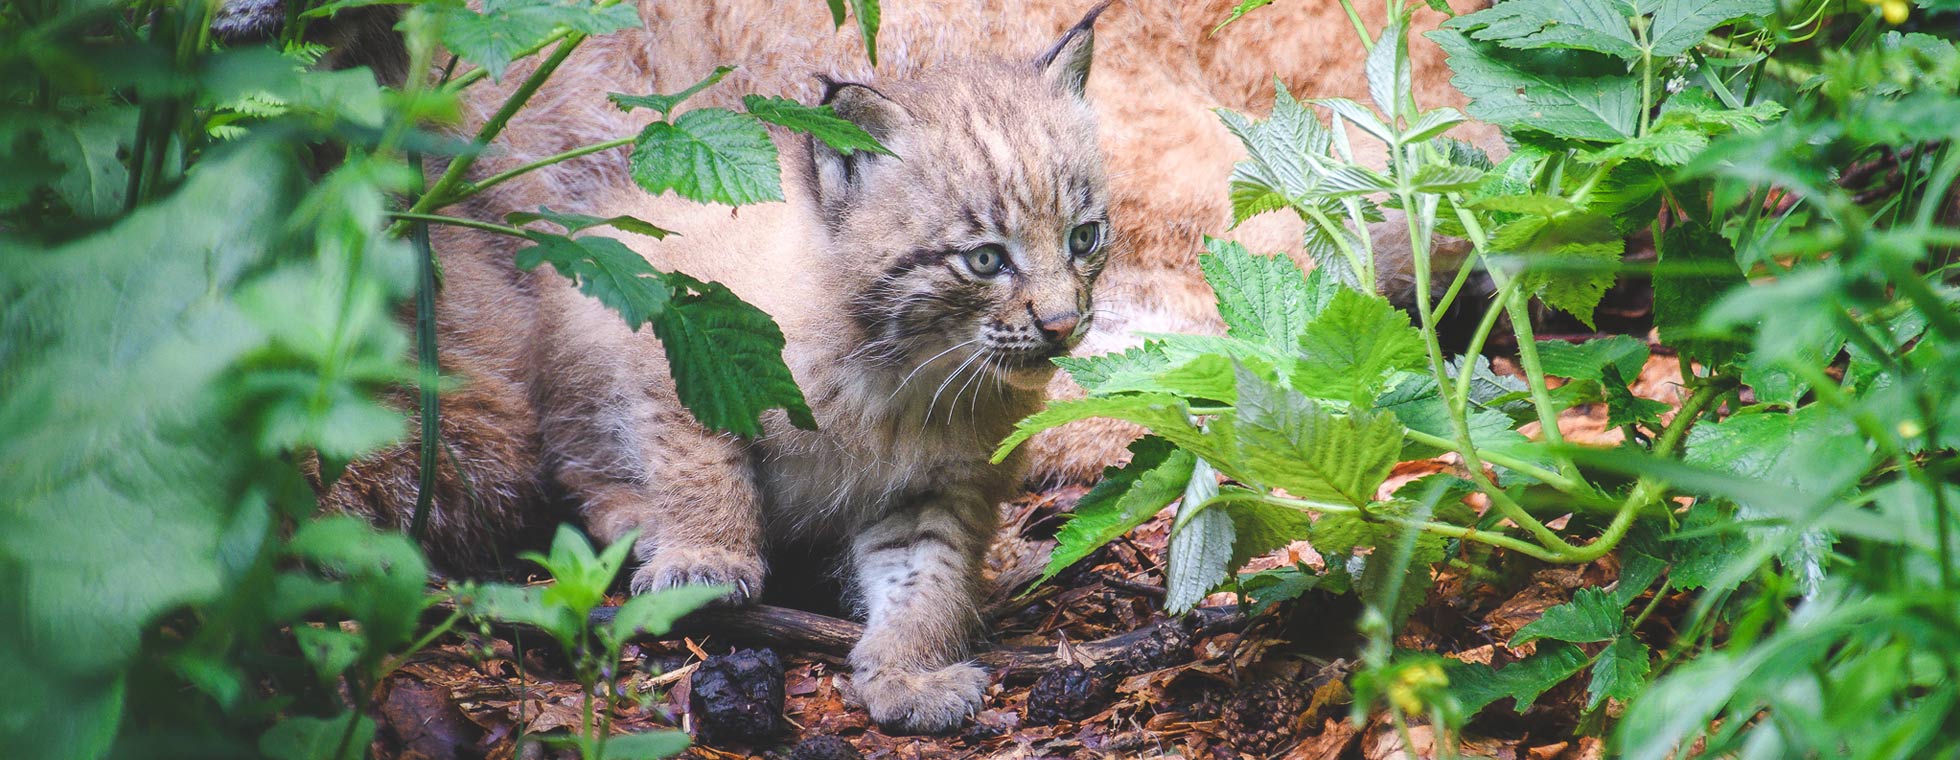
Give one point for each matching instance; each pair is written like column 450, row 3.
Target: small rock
column 1069, row 693
column 737, row 697
column 825, row 748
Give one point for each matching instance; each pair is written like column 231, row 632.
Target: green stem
column 1459, row 423
column 1553, row 479
column 1364, row 268
column 486, row 183
column 1360, row 29
column 471, row 77
column 440, row 194
column 428, row 375
column 1446, row 530
column 406, row 217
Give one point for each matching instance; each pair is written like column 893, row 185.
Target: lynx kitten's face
column 981, row 240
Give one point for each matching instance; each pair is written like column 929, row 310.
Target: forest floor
column 1272, row 686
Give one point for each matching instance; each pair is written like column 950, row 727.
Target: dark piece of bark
column 737, row 697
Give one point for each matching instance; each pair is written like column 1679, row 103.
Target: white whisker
column 922, row 365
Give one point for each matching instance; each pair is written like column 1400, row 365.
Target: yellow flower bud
column 1895, row 10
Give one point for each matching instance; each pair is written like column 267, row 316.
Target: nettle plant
column 563, row 610
column 1812, row 406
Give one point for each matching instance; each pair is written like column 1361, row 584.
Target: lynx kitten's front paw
column 699, row 566
column 928, row 702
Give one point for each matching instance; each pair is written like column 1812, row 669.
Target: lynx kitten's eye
column 987, row 260
column 1084, row 238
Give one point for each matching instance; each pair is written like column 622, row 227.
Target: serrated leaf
column 1625, row 408
column 1446, row 178
column 1278, row 168
column 1620, row 672
column 1417, row 406
column 1200, row 550
column 1592, row 615
column 1269, row 587
column 1263, row 299
column 1359, row 114
column 820, row 122
column 1570, row 260
column 1435, row 122
column 1596, row 25
column 1476, row 686
column 1678, row 25
column 1588, row 360
column 604, row 269
column 1160, row 413
column 727, row 358
column 666, row 104
column 1258, row 528
column 1535, row 204
column 1664, row 146
column 1125, row 498
column 1502, row 93
column 1349, row 348
column 867, row 14
column 1696, row 267
column 575, row 222
column 709, row 155
column 1288, row 441
column 506, row 28
column 1387, row 68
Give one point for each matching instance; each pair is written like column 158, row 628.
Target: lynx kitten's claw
column 927, row 702
column 700, row 567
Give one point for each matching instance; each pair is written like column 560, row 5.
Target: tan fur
column 559, row 393
column 1159, row 74
column 914, row 356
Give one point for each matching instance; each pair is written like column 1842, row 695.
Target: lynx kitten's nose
column 1058, row 327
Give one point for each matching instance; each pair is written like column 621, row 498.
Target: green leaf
column 575, row 222
column 94, row 180
column 1416, row 404
column 654, row 614
column 1258, row 528
column 1624, row 408
column 1263, row 299
column 1160, row 413
column 505, row 28
column 1592, row 615
column 867, row 14
column 1666, row 145
column 1157, row 368
column 1349, row 348
column 1620, row 672
column 649, row 745
column 604, row 269
column 1696, row 268
column 1476, row 686
column 666, row 104
column 711, row 155
column 727, row 358
column 1200, row 552
column 1588, row 361
column 1535, row 99
column 330, row 651
column 1288, row 441
column 818, row 121
column 1435, row 122
column 1281, row 584
column 1279, row 168
column 1123, row 499
column 1570, row 260
column 307, row 738
column 1678, row 25
column 1596, row 25
column 1387, row 69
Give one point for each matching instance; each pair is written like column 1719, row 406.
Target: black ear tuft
column 1067, row 62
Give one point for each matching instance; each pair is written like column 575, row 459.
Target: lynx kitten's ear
column 838, row 174
column 1067, row 63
